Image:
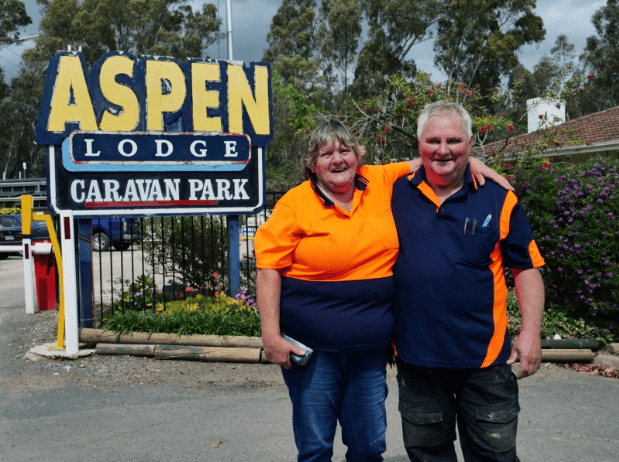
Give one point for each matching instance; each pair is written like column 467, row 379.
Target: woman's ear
column 361, row 150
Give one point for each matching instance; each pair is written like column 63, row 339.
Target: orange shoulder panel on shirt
column 536, row 256
column 510, row 202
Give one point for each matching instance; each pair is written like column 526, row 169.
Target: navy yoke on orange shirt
column 450, row 303
column 336, row 266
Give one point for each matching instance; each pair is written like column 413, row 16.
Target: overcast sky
column 251, row 20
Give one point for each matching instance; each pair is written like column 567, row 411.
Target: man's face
column 445, row 150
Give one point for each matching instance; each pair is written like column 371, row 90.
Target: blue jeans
column 349, row 387
column 483, row 402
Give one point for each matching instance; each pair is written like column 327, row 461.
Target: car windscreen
column 9, row 222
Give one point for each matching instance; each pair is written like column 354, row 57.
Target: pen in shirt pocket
column 487, row 221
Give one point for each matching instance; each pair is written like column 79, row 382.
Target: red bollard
column 45, row 274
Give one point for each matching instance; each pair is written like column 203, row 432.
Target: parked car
column 11, row 235
column 120, row 232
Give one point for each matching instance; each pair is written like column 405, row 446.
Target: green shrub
column 140, row 295
column 141, row 308
column 189, row 248
column 201, row 303
column 574, row 215
column 556, row 320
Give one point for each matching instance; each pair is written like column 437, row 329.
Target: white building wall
column 552, row 112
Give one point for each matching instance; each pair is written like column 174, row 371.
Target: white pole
column 28, row 279
column 67, row 244
column 229, row 32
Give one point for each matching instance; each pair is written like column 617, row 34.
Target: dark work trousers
column 483, row 403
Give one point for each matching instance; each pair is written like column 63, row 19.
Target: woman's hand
column 268, row 292
column 481, row 171
column 277, row 350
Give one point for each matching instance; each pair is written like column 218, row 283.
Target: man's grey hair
column 442, row 108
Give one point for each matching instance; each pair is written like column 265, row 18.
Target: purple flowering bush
column 574, row 213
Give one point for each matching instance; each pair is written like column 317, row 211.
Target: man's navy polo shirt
column 450, row 280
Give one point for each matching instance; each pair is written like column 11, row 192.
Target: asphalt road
column 109, row 269
column 44, row 415
column 12, row 282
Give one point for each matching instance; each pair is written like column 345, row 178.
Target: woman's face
column 336, row 166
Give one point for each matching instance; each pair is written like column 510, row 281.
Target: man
column 454, row 354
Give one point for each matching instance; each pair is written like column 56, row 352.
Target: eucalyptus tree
column 140, row 27
column 339, row 33
column 478, row 40
column 17, row 126
column 395, row 27
column 293, row 31
column 13, row 16
column 601, row 58
column 294, row 51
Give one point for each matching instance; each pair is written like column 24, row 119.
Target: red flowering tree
column 387, row 123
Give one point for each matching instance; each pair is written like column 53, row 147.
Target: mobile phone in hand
column 298, row 360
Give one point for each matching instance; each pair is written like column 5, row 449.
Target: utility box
column 45, row 274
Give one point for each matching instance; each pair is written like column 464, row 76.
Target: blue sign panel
column 89, row 176
column 155, row 152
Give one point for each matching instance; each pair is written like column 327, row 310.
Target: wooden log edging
column 567, row 356
column 231, row 349
column 186, row 352
column 87, row 335
column 210, row 354
column 571, row 344
column 125, row 349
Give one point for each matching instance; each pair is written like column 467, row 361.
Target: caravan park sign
column 151, row 136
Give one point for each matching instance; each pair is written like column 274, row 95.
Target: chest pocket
column 384, row 225
column 476, row 249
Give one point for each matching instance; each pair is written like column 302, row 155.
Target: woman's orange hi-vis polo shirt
column 336, row 266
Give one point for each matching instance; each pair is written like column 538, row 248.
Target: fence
column 159, row 259
column 12, row 190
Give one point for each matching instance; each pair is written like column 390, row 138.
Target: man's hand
column 481, row 171
column 529, row 349
column 528, row 346
column 277, row 350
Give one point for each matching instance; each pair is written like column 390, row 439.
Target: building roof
column 598, row 131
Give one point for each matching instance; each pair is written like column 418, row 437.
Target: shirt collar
column 361, row 183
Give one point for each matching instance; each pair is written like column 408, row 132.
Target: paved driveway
column 144, row 410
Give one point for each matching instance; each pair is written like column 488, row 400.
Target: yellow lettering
column 202, row 99
column 127, row 119
column 158, row 103
column 71, row 77
column 239, row 94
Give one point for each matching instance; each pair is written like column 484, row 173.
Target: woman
column 324, row 262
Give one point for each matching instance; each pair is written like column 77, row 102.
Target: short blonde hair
column 328, row 130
